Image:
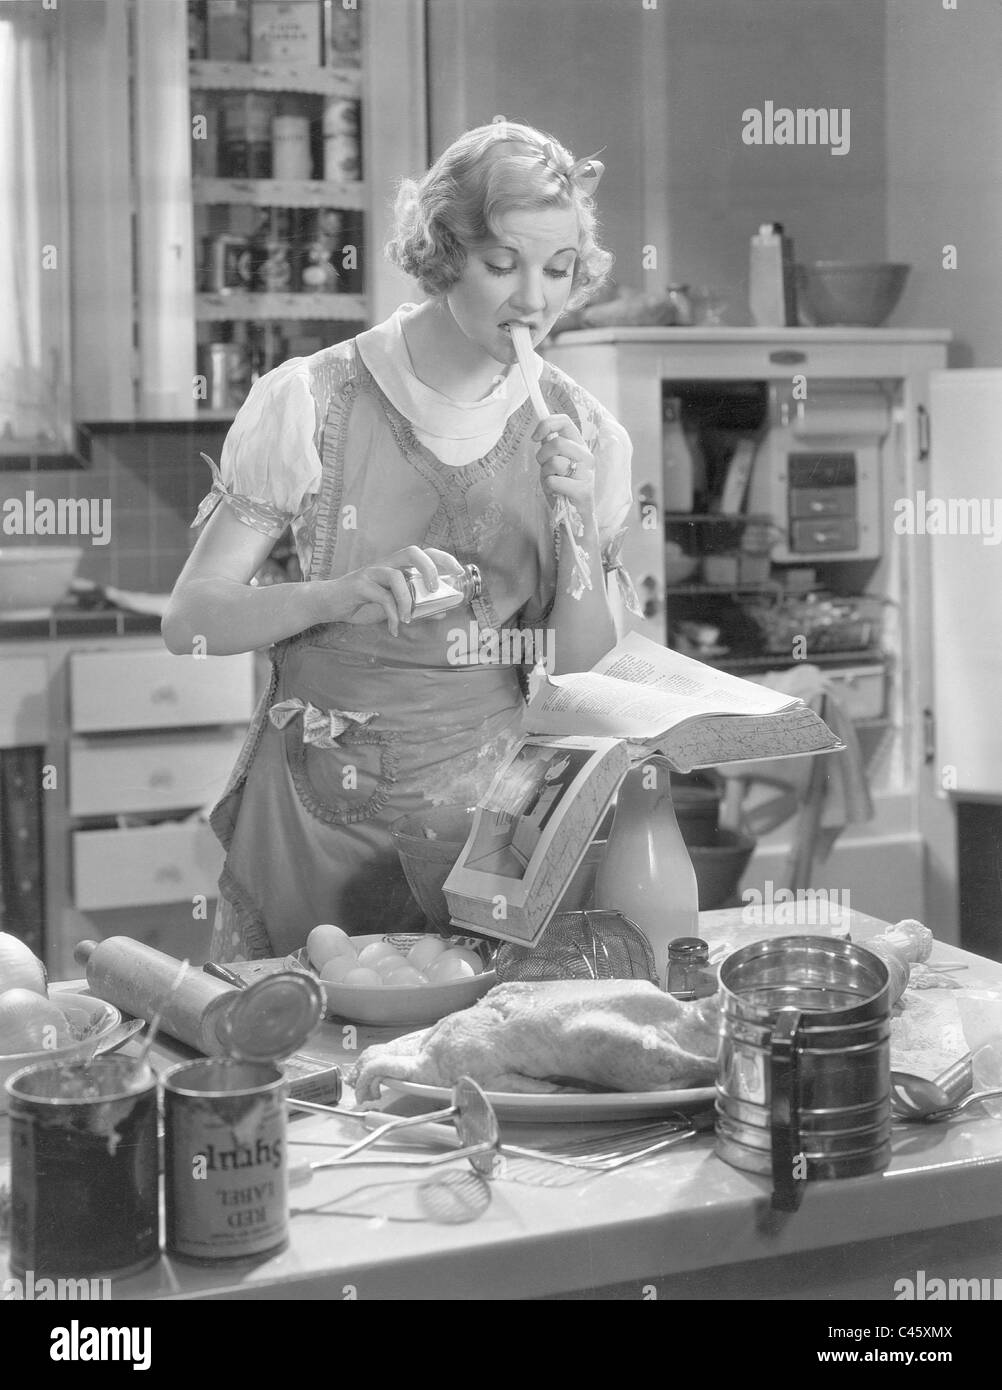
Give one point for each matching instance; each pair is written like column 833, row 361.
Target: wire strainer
column 587, row 945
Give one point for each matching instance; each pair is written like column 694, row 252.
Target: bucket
column 804, row 1071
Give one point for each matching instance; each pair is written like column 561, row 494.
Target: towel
column 762, row 795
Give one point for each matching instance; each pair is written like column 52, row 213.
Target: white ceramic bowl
column 91, row 1019
column 385, row 1007
column 33, row 578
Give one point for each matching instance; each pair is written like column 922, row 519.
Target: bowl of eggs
column 399, row 980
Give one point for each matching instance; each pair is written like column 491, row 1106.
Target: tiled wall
column 153, row 477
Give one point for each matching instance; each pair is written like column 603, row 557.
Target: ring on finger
column 572, row 468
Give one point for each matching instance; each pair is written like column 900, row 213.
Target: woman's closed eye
column 510, row 270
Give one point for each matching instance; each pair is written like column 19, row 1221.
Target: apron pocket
column 348, row 782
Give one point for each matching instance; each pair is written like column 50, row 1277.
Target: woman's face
column 523, row 276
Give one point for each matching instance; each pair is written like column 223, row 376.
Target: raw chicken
column 615, row 1035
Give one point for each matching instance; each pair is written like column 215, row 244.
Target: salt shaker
column 690, row 975
column 452, row 591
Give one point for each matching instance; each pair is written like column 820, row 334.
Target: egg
column 423, row 952
column 385, row 965
column 360, row 976
column 449, row 966
column 327, row 941
column 404, row 978
column 471, row 958
column 31, row 1023
column 337, row 968
column 368, row 955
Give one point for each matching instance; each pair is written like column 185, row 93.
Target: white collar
column 384, row 351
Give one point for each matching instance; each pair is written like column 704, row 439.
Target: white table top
column 684, row 1222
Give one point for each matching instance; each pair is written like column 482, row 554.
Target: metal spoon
column 961, row 1105
column 913, row 1097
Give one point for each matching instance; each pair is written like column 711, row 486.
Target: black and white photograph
column 609, row 321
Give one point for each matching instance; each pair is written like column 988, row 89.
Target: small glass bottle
column 681, row 302
column 452, row 591
column 690, row 975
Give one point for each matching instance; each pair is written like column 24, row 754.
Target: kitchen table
column 680, row 1225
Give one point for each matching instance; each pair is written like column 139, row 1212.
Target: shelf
column 770, row 661
column 275, row 77
column 280, row 193
column 769, row 586
column 216, row 308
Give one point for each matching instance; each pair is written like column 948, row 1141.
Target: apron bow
column 323, row 728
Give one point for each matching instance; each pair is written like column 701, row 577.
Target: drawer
column 814, row 537
column 822, row 501
column 157, row 773
column 859, row 689
column 116, row 690
column 146, row 865
column 24, row 709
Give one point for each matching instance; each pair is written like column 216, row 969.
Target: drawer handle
column 164, row 695
column 168, row 873
column 163, row 778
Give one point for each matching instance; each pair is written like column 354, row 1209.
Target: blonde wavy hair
column 485, row 174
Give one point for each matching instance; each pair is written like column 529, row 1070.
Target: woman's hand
column 379, row 592
column 567, row 466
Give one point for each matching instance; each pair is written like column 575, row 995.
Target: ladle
column 475, row 1121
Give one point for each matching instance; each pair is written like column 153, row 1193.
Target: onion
column 20, row 968
column 29, row 1023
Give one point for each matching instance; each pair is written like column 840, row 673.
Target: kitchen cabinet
column 143, row 206
column 903, row 862
column 138, row 742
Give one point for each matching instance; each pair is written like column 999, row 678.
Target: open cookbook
column 583, row 733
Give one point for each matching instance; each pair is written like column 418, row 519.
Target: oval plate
column 570, row 1107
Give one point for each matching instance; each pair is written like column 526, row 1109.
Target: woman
column 412, row 445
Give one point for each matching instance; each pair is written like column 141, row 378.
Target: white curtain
column 34, row 256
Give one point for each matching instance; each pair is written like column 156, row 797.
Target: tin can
column 84, row 1169
column 227, row 371
column 227, row 263
column 224, row 1160
column 275, row 269
column 342, row 158
column 341, row 116
column 342, row 34
column 225, row 1179
column 291, row 155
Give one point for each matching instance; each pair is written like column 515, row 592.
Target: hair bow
column 583, row 173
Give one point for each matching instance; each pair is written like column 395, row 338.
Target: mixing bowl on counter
column 435, row 975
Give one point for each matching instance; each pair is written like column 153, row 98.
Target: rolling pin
column 906, row 943
column 138, row 979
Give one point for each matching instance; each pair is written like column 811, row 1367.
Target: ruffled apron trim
column 254, row 938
